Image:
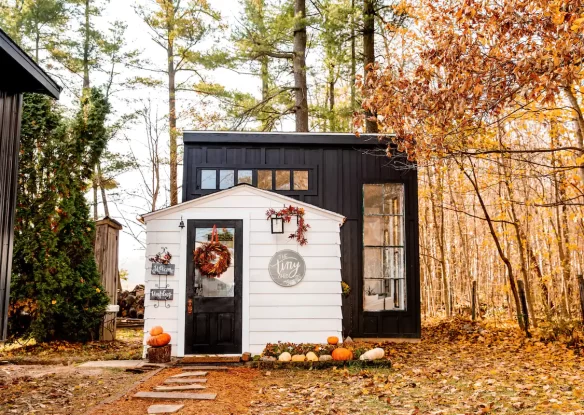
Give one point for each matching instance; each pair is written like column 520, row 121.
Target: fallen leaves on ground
column 127, row 346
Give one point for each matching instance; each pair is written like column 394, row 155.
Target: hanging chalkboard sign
column 162, row 269
column 161, row 294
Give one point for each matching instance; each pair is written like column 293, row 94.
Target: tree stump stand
column 159, row 354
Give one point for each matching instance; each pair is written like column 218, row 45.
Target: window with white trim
column 384, row 285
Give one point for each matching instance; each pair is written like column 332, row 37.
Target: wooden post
column 106, row 256
column 474, row 301
column 581, row 287
column 523, row 300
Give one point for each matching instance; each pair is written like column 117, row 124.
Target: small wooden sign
column 161, row 294
column 162, row 269
column 287, row 268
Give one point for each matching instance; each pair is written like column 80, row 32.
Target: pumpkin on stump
column 342, row 354
column 156, row 330
column 159, row 350
column 160, row 340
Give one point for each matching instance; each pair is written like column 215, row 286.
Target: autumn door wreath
column 212, row 258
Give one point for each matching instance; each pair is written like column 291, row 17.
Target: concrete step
column 176, row 395
column 185, row 374
column 175, row 388
column 186, row 380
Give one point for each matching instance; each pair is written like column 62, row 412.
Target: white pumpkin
column 311, row 357
column 374, row 354
column 298, row 358
column 285, row 357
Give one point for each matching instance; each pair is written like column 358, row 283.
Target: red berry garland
column 208, row 252
column 286, row 215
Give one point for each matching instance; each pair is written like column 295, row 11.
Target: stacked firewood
column 132, row 302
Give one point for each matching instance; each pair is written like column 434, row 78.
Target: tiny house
column 362, row 214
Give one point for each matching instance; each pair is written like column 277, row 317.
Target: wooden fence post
column 525, row 313
column 474, row 301
column 581, row 287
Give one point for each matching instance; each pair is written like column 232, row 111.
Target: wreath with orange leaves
column 212, row 258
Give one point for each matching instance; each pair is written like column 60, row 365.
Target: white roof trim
column 235, row 189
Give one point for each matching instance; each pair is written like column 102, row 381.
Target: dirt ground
column 62, row 390
column 458, row 368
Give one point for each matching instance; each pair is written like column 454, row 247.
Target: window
column 282, row 179
column 300, row 179
column 265, row 179
column 244, row 176
column 209, row 179
column 383, row 247
column 226, row 179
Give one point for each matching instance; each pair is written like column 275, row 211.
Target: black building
column 344, row 174
column 18, row 74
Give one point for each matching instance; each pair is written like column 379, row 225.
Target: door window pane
column 301, row 180
column 244, row 176
column 209, row 179
column 223, row 286
column 282, row 179
column 383, row 253
column 265, row 179
column 226, row 179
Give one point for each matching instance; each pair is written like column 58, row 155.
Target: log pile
column 132, row 303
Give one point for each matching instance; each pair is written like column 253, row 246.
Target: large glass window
column 383, row 247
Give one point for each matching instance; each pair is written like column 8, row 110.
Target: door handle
column 190, row 306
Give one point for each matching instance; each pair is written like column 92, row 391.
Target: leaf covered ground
column 127, row 346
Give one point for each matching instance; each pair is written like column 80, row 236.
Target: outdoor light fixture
column 181, row 224
column 277, row 224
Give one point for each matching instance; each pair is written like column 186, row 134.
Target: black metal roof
column 254, row 137
column 19, row 73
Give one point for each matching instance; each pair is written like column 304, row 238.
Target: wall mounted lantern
column 277, row 224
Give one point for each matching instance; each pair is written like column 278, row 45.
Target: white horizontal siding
column 311, row 262
column 295, row 325
column 316, row 225
column 305, row 251
column 161, row 312
column 304, row 287
column 255, row 213
column 170, row 325
column 316, row 238
column 305, row 312
column 292, row 300
column 262, row 275
column 173, row 247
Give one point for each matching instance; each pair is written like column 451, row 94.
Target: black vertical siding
column 341, row 171
column 10, row 113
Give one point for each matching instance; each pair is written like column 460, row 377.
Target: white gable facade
column 309, row 311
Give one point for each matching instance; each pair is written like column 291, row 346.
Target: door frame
column 196, row 214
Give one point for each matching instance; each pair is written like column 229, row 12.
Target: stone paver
column 184, row 375
column 178, row 388
column 176, row 395
column 164, row 409
column 199, row 367
column 186, row 380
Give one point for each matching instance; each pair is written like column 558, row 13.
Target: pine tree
column 56, row 291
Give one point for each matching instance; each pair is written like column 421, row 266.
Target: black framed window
column 384, row 269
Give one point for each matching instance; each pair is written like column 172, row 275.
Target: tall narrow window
column 265, row 179
column 383, row 247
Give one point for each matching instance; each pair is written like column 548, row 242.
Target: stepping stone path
column 164, row 409
column 179, row 387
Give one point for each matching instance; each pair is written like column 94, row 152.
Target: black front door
column 213, row 319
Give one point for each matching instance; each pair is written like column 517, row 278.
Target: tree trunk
column 332, row 121
column 172, row 118
column 369, row 52
column 264, row 73
column 299, row 66
column 579, row 125
column 86, row 47
column 103, row 195
column 353, row 59
column 94, row 185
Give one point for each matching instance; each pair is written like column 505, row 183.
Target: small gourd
column 373, row 354
column 156, row 330
column 332, row 340
column 298, row 358
column 342, row 354
column 159, row 340
column 285, row 357
column 311, row 357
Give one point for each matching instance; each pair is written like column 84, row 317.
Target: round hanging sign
column 287, row 268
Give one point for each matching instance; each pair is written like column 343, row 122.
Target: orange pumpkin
column 341, row 353
column 159, row 340
column 332, row 340
column 156, row 330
